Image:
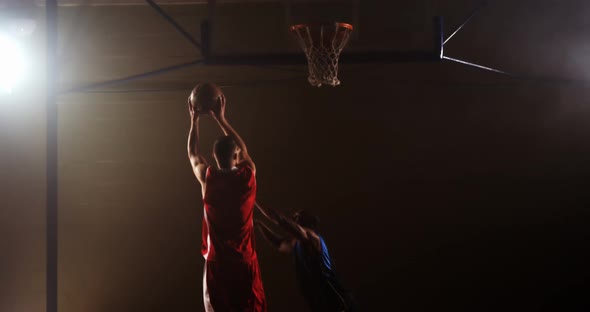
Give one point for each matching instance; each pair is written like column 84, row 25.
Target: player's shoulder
column 246, row 167
column 207, row 171
column 315, row 239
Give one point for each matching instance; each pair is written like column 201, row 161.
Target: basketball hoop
column 322, row 44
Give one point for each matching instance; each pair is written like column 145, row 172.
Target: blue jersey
column 317, row 279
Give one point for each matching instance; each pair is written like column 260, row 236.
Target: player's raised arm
column 218, row 113
column 198, row 161
column 285, row 223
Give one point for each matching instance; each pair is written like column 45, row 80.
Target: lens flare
column 12, row 64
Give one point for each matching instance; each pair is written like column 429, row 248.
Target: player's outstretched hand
column 191, row 109
column 218, row 111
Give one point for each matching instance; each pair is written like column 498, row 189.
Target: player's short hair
column 307, row 220
column 224, row 148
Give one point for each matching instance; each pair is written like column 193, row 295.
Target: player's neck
column 227, row 168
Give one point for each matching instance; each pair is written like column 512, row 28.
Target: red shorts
column 233, row 286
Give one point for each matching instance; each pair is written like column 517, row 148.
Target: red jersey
column 228, row 228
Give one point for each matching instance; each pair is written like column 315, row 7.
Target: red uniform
column 231, row 278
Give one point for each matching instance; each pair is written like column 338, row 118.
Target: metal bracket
column 457, row 29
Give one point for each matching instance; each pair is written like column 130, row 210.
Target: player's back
column 228, row 231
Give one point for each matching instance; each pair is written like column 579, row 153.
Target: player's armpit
column 200, row 170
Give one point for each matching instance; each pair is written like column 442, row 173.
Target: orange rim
column 337, row 24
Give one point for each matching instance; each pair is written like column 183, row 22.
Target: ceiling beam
column 67, row 3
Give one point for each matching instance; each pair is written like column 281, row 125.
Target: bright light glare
column 12, row 64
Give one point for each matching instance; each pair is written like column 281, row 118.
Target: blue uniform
column 317, row 280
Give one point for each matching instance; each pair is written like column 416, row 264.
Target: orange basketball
column 205, row 96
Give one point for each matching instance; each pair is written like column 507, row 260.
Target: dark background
column 439, row 186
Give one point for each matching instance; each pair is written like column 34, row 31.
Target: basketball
column 205, row 96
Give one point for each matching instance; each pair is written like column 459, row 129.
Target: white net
column 322, row 45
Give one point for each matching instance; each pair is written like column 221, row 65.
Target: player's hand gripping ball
column 205, row 97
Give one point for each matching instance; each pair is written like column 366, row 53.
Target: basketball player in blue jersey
column 314, row 267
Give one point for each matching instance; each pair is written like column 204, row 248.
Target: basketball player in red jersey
column 231, row 277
